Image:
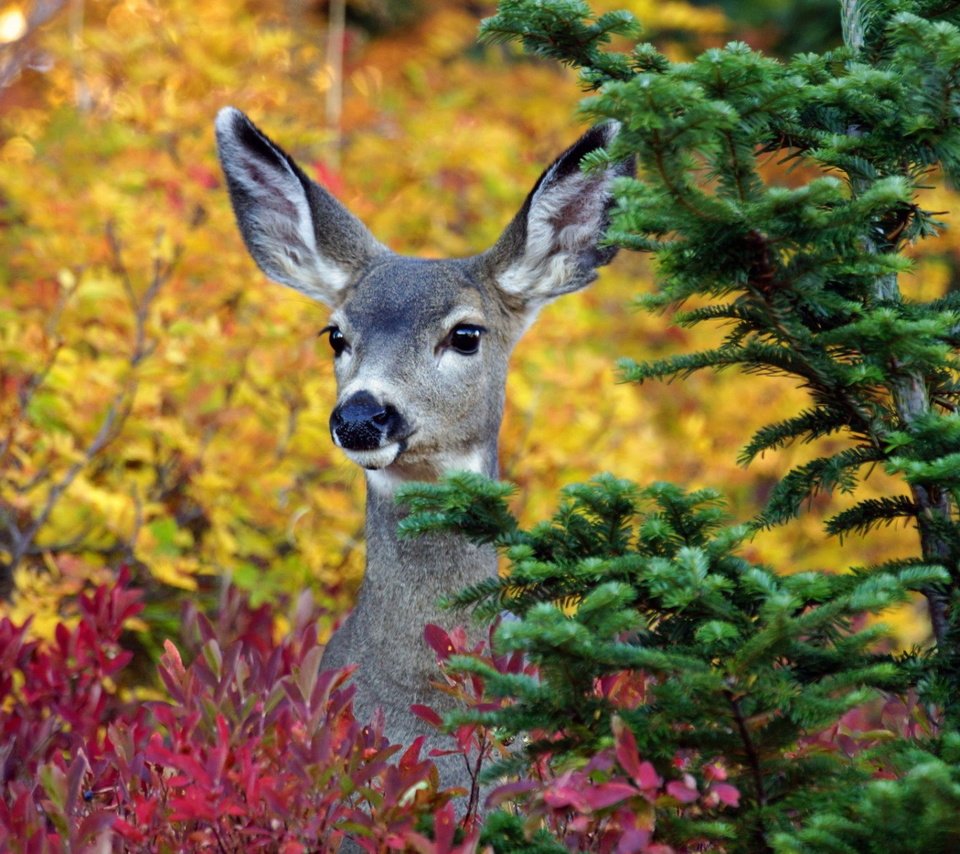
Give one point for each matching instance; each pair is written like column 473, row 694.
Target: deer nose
column 362, row 423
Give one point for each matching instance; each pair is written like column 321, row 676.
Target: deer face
column 420, row 350
column 420, row 347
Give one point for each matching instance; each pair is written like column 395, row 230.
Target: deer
column 421, row 350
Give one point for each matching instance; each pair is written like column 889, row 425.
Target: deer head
column 420, row 346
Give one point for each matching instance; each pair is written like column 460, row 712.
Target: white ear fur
column 565, row 219
column 272, row 200
column 551, row 248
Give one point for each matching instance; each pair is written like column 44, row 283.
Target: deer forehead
column 415, row 299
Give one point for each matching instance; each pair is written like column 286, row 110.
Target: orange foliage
column 162, row 405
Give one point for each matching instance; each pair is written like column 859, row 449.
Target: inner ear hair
column 552, row 246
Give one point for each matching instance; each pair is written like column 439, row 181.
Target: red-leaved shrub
column 255, row 749
column 604, row 804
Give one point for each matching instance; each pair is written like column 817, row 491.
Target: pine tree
column 745, row 663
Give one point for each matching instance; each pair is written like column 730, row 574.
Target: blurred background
column 164, row 407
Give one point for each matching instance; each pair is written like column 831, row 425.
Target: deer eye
column 338, row 341
column 465, row 338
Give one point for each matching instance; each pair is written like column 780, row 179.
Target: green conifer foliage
column 806, row 278
column 743, row 663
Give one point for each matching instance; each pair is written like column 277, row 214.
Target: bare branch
column 26, row 394
column 117, row 412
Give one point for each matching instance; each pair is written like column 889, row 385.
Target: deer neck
column 406, row 576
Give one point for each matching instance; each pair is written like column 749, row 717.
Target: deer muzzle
column 366, row 429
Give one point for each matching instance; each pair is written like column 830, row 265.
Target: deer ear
column 551, row 246
column 295, row 230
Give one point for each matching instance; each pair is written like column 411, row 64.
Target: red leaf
column 427, row 714
column 203, row 176
column 439, row 641
column 412, row 754
column 192, row 809
column 464, row 735
column 128, row 831
column 145, row 810
column 187, row 765
column 329, row 178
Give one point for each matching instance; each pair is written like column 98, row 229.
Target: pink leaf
column 436, row 751
column 171, row 657
column 681, row 792
column 627, row 754
column 633, row 841
column 458, row 637
column 561, row 797
column 444, row 827
column 714, row 771
column 608, row 794
column 647, row 777
column 727, row 794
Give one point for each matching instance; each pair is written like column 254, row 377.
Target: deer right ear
column 554, row 244
column 298, row 233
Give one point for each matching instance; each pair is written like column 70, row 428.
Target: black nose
column 362, row 423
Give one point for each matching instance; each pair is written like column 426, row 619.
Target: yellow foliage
column 125, row 289
column 175, row 572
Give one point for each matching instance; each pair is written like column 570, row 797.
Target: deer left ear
column 295, row 230
column 552, row 245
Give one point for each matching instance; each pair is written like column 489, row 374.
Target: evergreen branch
column 564, row 30
column 809, row 425
column 755, row 766
column 871, row 513
column 680, row 367
column 477, row 596
column 755, row 357
column 463, row 501
column 943, row 470
column 902, row 568
column 820, row 475
column 912, row 403
column 739, row 310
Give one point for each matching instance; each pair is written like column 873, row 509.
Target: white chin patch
column 379, row 458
